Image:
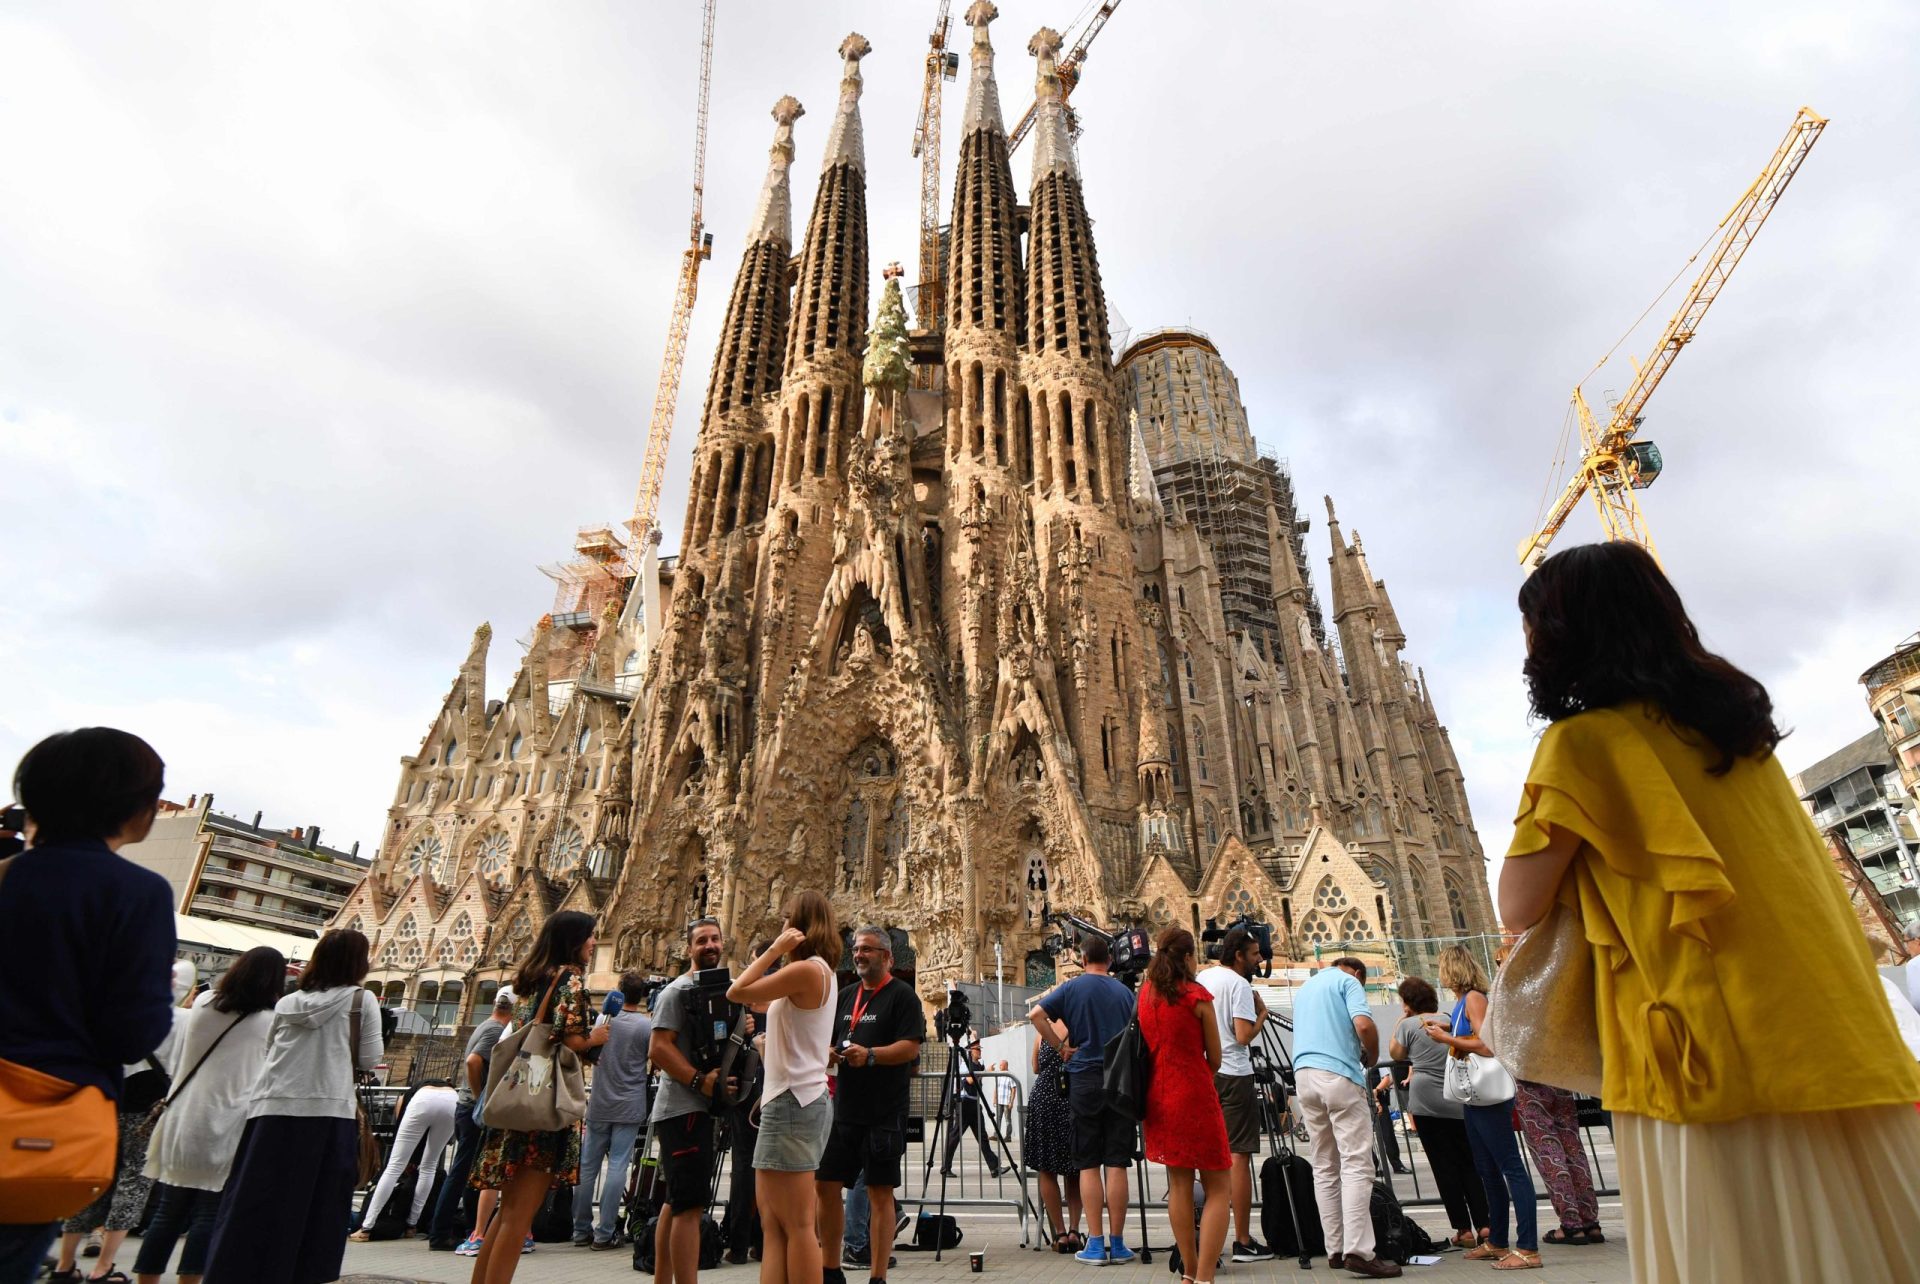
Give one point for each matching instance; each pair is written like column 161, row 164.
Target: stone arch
column 1316, row 929
column 1330, row 898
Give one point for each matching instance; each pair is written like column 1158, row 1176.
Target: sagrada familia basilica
column 970, row 625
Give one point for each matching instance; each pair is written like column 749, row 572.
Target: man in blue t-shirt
column 1095, row 1008
column 1334, row 1041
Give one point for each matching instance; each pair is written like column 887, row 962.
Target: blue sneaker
column 1095, row 1253
column 469, row 1247
column 1117, row 1252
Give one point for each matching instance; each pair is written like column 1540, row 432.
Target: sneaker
column 900, row 1225
column 832, row 1275
column 602, row 1245
column 469, row 1247
column 92, row 1247
column 1095, row 1253
column 527, row 1247
column 1373, row 1268
column 1117, row 1251
column 1251, row 1251
column 581, row 1239
column 856, row 1256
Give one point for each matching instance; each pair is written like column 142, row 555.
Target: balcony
column 261, row 915
column 345, row 871
column 221, row 874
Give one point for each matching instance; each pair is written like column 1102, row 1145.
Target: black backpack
column 1282, row 1175
column 924, row 1236
column 1396, row 1236
column 713, row 1244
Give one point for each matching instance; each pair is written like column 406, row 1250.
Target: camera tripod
column 946, row 1118
column 1272, row 1085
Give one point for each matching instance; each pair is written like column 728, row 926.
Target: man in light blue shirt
column 1334, row 1041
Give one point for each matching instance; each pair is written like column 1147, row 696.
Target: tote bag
column 1541, row 1016
column 534, row 1081
column 1124, row 1072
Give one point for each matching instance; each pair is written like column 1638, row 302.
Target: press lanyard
column 860, row 1008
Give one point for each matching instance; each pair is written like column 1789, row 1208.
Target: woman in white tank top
column 796, row 1112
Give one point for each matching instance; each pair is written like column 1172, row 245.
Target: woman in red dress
column 1184, row 1127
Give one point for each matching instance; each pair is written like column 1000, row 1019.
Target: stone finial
column 845, row 144
column 1052, row 145
column 773, row 217
column 983, row 93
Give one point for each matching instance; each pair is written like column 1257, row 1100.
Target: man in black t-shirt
column 876, row 1044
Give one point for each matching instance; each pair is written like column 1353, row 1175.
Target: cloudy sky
column 323, row 325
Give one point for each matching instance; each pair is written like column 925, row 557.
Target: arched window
column 1457, row 909
column 580, row 745
column 1200, row 752
column 1316, row 930
column 1193, row 689
column 1212, row 818
column 513, row 748
column 1239, row 903
column 1160, row 915
column 1355, row 927
column 452, row 746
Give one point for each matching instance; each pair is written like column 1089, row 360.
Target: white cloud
column 325, row 324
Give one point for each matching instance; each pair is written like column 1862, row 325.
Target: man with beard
column 877, row 1035
column 682, row 1115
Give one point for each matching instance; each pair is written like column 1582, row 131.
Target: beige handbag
column 1541, row 1017
column 534, row 1081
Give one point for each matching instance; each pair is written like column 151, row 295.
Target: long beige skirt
column 1793, row 1198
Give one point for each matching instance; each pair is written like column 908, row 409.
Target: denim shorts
column 793, row 1136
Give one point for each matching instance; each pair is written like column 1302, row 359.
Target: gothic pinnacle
column 983, row 95
column 1052, row 147
column 773, row 219
column 844, row 143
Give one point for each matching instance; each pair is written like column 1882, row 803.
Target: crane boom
column 926, row 145
column 1069, row 69
column 666, row 395
column 1612, row 464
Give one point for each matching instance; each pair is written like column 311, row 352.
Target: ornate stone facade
column 934, row 645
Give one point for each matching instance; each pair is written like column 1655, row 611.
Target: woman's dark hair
column 1173, row 965
column 558, row 946
column 253, row 984
column 1605, row 628
column 1418, row 994
column 341, row 958
column 88, row 783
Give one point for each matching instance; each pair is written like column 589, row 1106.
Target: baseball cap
column 504, row 998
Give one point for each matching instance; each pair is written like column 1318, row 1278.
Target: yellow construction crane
column 1069, row 69
column 1612, row 463
column 666, row 396
column 941, row 66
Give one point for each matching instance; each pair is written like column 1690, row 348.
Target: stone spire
column 1052, row 145
column 844, row 143
column 983, row 95
column 773, row 217
column 1066, row 306
column 886, row 365
column 746, row 365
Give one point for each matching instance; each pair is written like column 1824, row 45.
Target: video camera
column 713, row 1017
column 1262, row 933
column 959, row 1014
column 1130, row 947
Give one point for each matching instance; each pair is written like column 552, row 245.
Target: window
column 452, row 747
column 564, row 849
column 1240, row 903
column 1329, row 897
column 580, row 745
column 427, row 855
column 513, row 749
column 1456, row 909
column 1193, row 690
column 1212, row 820
column 1316, row 930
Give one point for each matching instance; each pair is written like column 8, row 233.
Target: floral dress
column 504, row 1153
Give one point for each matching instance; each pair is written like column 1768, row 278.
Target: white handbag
column 1474, row 1080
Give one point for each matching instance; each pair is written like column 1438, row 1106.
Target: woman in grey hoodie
column 288, row 1203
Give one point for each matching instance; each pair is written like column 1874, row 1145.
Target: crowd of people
column 1762, row 1098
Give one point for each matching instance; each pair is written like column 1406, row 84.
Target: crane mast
column 941, row 66
column 643, row 526
column 1069, row 70
column 1613, row 464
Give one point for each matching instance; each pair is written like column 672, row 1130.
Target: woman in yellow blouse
column 1763, row 1105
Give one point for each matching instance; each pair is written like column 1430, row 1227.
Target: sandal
column 1518, row 1260
column 1484, row 1252
column 1068, row 1242
column 360, row 1236
column 1465, row 1239
column 111, row 1277
column 1567, row 1235
column 1594, row 1234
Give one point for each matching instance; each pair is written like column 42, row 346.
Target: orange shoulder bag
column 58, row 1142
